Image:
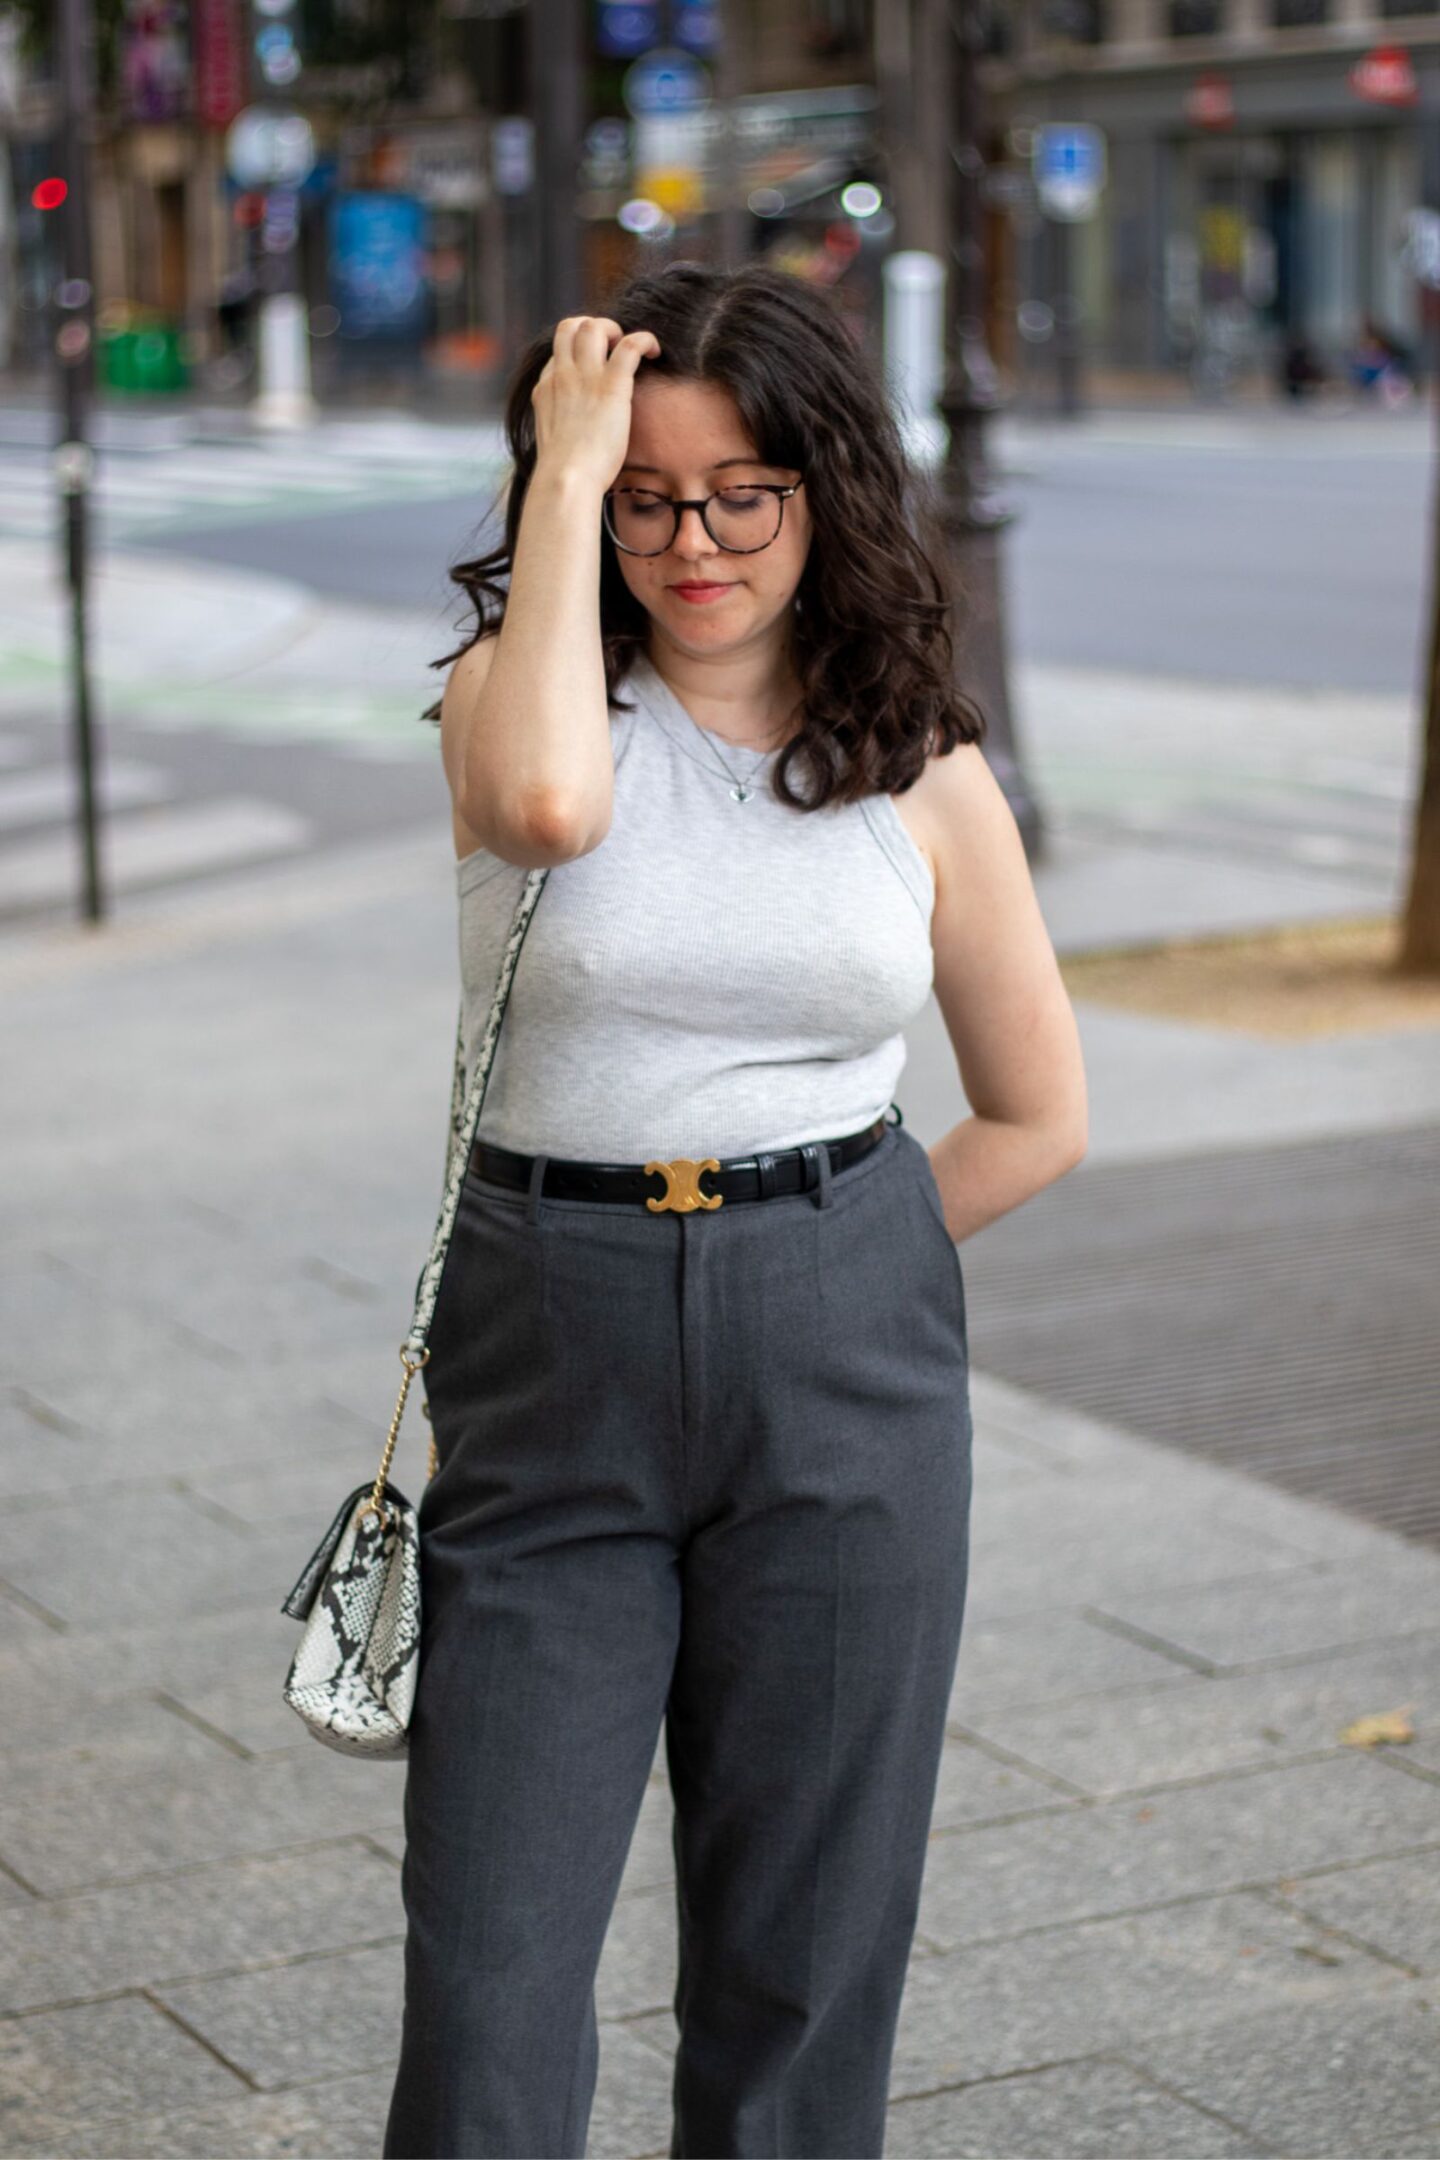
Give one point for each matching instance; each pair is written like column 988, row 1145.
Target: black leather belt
column 676, row 1185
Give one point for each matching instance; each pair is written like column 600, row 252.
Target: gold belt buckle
column 682, row 1186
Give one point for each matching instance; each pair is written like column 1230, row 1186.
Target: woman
column 698, row 1371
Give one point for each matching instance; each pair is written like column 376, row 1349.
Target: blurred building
column 1265, row 159
column 415, row 232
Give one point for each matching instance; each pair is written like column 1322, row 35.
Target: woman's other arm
column 1009, row 1017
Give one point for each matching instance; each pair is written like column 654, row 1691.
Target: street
column 1192, row 597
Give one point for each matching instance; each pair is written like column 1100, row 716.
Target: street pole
column 730, row 226
column 971, row 514
column 1067, row 322
column 284, row 397
column 74, row 318
column 557, row 92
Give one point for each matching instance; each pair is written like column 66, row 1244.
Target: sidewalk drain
column 1273, row 1308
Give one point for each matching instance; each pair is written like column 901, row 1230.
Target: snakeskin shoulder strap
column 466, row 1102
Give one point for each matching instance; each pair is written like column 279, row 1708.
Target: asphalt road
column 1271, row 550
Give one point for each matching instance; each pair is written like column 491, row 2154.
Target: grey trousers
column 711, row 1469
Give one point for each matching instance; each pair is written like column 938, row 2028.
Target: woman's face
column 687, row 439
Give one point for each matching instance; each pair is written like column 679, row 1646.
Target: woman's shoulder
column 955, row 792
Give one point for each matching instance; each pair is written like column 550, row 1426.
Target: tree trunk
column 1419, row 952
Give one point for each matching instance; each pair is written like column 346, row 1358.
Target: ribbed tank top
column 715, row 977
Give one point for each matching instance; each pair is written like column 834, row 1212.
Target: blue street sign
column 1068, row 164
column 1072, row 153
column 665, row 81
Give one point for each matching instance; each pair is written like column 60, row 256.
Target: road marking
column 45, row 792
column 150, row 847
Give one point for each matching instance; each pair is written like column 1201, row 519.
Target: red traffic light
column 49, row 194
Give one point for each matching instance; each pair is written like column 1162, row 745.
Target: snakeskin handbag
column 353, row 1676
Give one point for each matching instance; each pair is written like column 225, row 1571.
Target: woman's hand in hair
column 584, row 394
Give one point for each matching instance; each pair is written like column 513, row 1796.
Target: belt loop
column 818, row 1153
column 769, row 1182
column 537, row 1179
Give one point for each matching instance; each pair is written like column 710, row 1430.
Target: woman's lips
column 697, row 595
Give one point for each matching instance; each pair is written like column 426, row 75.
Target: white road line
column 147, row 847
column 49, row 791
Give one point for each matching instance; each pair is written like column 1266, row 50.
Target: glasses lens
column 740, row 518
column 744, row 517
column 640, row 520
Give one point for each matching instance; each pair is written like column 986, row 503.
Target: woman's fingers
column 592, row 336
column 635, row 346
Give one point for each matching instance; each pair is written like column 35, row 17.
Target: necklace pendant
column 742, row 793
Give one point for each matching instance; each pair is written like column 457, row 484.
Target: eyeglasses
column 740, row 520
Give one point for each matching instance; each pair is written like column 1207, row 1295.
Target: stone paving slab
column 250, row 1647
column 974, row 1786
column 1391, row 1906
column 1107, row 1538
column 64, row 2069
column 1087, row 2111
column 1204, row 1726
column 296, row 2125
column 76, row 1836
column 200, row 1921
column 1225, row 1834
column 312, row 2017
column 1053, row 1992
column 1030, row 1658
column 97, row 1741
column 1362, row 2079
column 143, row 1555
column 1301, row 1613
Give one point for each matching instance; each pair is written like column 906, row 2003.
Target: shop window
column 1196, row 18
column 997, row 38
column 1298, row 14
column 1082, row 22
column 836, row 29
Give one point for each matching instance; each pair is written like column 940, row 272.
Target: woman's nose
column 693, row 539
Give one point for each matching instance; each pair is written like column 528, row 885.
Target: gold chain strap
column 375, row 1504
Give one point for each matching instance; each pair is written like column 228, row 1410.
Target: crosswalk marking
column 170, row 485
column 45, row 792
column 151, row 846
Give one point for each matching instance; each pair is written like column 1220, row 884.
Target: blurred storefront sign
column 221, row 61
column 512, row 154
column 1386, row 76
column 154, row 60
column 377, row 266
column 446, row 167
column 1210, row 101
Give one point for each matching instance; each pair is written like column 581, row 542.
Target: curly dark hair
column 871, row 638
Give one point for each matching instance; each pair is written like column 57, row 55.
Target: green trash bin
column 141, row 353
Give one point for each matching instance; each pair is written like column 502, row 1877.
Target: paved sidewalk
column 1167, row 1911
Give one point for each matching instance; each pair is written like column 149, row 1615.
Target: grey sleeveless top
column 715, row 977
